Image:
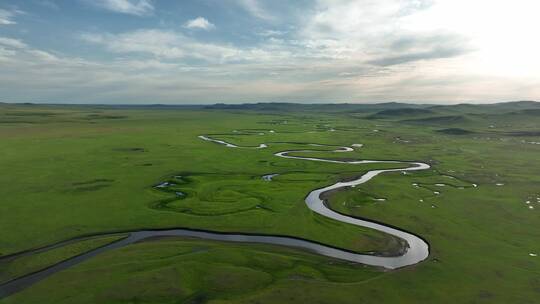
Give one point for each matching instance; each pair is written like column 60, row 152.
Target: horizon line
column 267, row 102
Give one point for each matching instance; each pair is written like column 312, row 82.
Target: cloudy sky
column 233, row 51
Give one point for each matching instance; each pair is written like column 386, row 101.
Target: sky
column 238, row 51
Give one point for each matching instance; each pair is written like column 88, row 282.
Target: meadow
column 75, row 171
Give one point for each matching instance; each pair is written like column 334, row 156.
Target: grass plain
column 81, row 170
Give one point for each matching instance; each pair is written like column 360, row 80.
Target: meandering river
column 416, row 249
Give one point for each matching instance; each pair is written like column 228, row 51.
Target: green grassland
column 38, row 261
column 73, row 171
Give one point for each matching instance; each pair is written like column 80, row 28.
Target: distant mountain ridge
column 380, row 110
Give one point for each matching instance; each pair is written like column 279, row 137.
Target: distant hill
column 531, row 112
column 377, row 110
column 438, row 120
column 383, row 110
column 400, row 112
column 386, row 106
column 492, row 108
column 327, row 107
column 517, row 105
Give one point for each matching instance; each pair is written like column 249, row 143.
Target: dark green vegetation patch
column 455, row 131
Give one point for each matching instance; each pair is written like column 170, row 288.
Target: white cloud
column 43, row 56
column 10, row 42
column 6, row 17
column 502, row 32
column 369, row 30
column 254, row 8
column 271, row 33
column 199, row 23
column 497, row 34
column 131, row 7
column 162, row 44
column 167, row 45
column 15, row 49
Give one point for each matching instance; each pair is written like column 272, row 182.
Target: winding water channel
column 416, row 249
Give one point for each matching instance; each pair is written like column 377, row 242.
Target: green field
column 72, row 171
